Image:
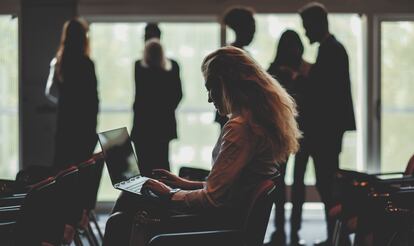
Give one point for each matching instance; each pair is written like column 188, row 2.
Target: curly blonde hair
column 251, row 91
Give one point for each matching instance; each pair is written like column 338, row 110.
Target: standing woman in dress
column 72, row 85
column 291, row 71
column 157, row 94
column 75, row 82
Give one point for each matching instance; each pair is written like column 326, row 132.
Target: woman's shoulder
column 174, row 63
column 305, row 68
column 235, row 128
column 236, row 121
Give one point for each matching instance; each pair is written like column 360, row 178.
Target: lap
column 155, row 216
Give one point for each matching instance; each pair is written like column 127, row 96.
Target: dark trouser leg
column 298, row 188
column 161, row 154
column 280, row 201
column 152, row 155
column 118, row 226
column 326, row 164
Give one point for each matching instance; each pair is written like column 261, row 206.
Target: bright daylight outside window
column 116, row 46
column 9, row 144
column 397, row 101
column 269, row 27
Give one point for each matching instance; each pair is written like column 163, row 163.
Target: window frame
column 374, row 60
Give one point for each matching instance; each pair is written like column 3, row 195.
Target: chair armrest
column 10, row 208
column 384, row 174
column 403, row 180
column 203, row 221
column 199, row 238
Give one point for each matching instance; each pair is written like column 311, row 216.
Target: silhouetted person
column 331, row 109
column 74, row 80
column 241, row 21
column 152, row 31
column 157, row 94
column 291, row 71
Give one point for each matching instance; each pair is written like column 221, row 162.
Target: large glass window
column 397, row 101
column 116, row 46
column 9, row 144
column 347, row 28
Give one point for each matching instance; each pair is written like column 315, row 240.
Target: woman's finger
column 167, row 181
column 161, row 171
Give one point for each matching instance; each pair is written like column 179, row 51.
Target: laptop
column 121, row 160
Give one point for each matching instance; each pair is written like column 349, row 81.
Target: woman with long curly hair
column 261, row 132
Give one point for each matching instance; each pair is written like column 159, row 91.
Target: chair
column 89, row 181
column 21, row 202
column 37, row 215
column 389, row 219
column 11, row 201
column 195, row 174
column 358, row 186
column 68, row 208
column 39, row 212
column 251, row 232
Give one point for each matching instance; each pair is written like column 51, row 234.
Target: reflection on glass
column 397, row 101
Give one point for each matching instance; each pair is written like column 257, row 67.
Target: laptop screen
column 119, row 155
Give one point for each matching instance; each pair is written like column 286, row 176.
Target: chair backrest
column 90, row 173
column 258, row 213
column 409, row 170
column 35, row 218
column 195, row 174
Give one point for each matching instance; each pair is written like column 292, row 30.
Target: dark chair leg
column 92, row 218
column 336, row 237
column 91, row 235
column 77, row 240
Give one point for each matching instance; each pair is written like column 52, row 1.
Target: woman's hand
column 158, row 188
column 173, row 180
column 168, row 178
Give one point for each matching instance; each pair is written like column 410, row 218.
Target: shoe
column 322, row 243
column 295, row 241
column 298, row 243
column 278, row 239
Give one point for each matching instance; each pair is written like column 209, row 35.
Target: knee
column 117, row 219
column 117, row 229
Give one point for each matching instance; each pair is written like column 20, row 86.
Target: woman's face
column 215, row 95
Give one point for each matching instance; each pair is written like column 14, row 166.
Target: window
column 9, row 144
column 397, row 101
column 116, row 46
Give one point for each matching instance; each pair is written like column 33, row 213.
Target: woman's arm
column 174, row 181
column 51, row 90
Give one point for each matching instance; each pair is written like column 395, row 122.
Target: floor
column 313, row 223
column 313, row 227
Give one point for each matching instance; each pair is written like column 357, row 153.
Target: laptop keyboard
column 134, row 184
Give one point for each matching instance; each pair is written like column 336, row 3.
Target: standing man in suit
column 330, row 104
